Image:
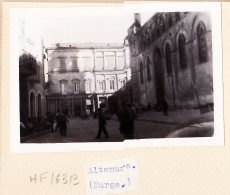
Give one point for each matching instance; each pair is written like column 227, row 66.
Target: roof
column 85, row 45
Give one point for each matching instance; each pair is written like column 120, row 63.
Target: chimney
column 137, row 18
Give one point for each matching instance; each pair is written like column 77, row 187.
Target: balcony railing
column 27, row 65
column 64, row 69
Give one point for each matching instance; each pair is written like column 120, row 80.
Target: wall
column 184, row 88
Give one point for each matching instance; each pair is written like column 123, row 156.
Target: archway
column 159, row 83
column 39, row 107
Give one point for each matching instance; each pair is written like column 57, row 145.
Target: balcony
column 27, row 65
column 63, row 69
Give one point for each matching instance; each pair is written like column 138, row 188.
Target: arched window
column 142, row 42
column 64, row 86
column 39, row 106
column 101, row 85
column 76, row 86
column 182, row 51
column 168, row 59
column 202, row 43
column 149, row 77
column 141, row 73
column 170, row 21
column 162, row 24
column 147, row 38
column 153, row 32
column 177, row 15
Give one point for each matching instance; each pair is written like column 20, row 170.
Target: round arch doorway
column 39, row 107
column 159, row 83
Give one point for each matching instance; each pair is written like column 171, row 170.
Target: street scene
column 141, row 76
column 84, row 130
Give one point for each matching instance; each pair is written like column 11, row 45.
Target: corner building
column 31, row 75
column 171, row 59
column 82, row 76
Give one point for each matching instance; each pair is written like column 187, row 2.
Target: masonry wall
column 184, row 88
column 99, row 70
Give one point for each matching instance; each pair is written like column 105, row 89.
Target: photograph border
column 216, row 140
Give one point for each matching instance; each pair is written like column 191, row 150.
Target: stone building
column 82, row 76
column 31, row 74
column 171, row 59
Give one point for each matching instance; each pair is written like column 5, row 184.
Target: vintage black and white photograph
column 112, row 76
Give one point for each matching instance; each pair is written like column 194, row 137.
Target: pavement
column 179, row 117
column 149, row 125
column 205, row 129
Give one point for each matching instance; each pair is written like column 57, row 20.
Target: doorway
column 159, row 83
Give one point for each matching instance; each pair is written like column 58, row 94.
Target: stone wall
column 183, row 86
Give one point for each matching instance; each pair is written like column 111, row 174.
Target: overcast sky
column 79, row 25
column 87, row 28
column 101, row 23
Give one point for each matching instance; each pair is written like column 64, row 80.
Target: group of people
column 126, row 117
column 58, row 122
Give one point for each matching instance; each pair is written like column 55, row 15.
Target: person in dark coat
column 57, row 119
column 63, row 124
column 165, row 107
column 101, row 124
column 50, row 119
column 126, row 118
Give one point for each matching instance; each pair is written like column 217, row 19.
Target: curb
column 163, row 122
column 153, row 121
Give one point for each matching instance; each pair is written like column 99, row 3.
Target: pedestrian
column 126, row 118
column 149, row 107
column 165, row 107
column 57, row 119
column 136, row 111
column 101, row 124
column 63, row 124
column 50, row 119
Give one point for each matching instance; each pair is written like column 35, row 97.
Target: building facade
column 171, row 59
column 31, row 75
column 82, row 76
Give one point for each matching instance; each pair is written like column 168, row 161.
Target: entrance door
column 39, row 107
column 77, row 110
column 159, row 84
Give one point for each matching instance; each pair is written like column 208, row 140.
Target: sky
column 79, row 26
column 88, row 28
column 103, row 23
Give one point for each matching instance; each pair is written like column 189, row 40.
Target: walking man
column 165, row 107
column 57, row 119
column 63, row 124
column 50, row 119
column 126, row 118
column 101, row 124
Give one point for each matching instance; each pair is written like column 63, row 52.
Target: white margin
column 216, row 140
